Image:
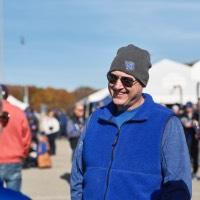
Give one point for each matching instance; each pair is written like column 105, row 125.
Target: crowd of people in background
column 49, row 126
column 55, row 124
column 189, row 116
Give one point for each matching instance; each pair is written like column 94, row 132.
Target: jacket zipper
column 111, row 162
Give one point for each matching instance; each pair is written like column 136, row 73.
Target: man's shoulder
column 163, row 108
column 155, row 106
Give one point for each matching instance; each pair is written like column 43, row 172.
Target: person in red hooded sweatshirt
column 15, row 141
column 6, row 193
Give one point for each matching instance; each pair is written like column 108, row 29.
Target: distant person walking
column 50, row 126
column 62, row 119
column 33, row 122
column 15, row 141
column 75, row 125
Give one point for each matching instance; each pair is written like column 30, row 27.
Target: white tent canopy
column 195, row 72
column 96, row 96
column 17, row 102
column 170, row 82
column 195, row 75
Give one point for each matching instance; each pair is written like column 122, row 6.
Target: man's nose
column 118, row 84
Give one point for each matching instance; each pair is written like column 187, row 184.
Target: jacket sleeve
column 76, row 178
column 175, row 163
column 26, row 135
column 77, row 172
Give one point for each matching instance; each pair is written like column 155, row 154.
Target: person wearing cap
column 190, row 125
column 133, row 148
column 15, row 141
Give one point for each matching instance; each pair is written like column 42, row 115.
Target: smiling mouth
column 119, row 94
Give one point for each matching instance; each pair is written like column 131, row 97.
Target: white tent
column 195, row 75
column 195, row 71
column 170, row 82
column 96, row 96
column 17, row 102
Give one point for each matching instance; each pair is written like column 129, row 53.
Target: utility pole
column 179, row 87
column 26, row 95
column 1, row 39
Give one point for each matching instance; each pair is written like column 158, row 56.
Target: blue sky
column 71, row 43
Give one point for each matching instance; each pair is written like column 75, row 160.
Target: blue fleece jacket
column 124, row 163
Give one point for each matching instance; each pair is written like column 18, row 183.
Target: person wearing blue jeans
column 15, row 140
column 11, row 174
column 5, row 193
column 132, row 148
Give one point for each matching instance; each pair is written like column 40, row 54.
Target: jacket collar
column 142, row 114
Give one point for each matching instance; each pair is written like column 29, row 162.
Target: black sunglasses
column 126, row 81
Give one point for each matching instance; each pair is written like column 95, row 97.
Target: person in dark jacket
column 75, row 125
column 133, row 148
column 190, row 124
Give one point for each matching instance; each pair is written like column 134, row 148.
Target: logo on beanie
column 130, row 65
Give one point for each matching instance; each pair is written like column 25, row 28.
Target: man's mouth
column 119, row 94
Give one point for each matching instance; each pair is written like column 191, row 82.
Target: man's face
column 124, row 95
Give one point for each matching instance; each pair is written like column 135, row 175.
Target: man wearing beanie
column 132, row 148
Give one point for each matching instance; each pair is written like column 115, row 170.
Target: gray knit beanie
column 133, row 61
